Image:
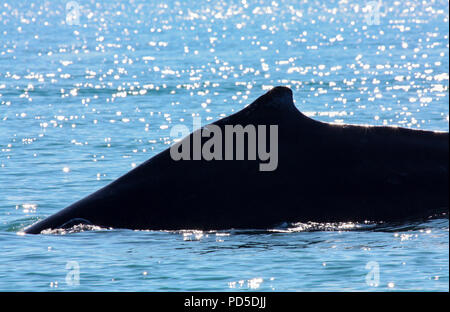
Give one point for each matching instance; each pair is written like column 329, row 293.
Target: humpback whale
column 324, row 173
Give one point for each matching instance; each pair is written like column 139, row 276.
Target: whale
column 323, row 172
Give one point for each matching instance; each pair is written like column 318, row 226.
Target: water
column 82, row 104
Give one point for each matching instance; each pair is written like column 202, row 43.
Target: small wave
column 380, row 226
column 326, row 226
column 74, row 229
column 284, row 227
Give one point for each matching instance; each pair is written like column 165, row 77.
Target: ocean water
column 90, row 89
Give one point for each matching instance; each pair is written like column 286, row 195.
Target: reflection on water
column 85, row 98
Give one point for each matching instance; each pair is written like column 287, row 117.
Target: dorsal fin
column 277, row 98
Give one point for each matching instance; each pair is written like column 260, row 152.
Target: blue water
column 82, row 104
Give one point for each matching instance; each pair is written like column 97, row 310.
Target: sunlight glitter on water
column 82, row 104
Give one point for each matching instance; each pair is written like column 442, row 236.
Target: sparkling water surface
column 91, row 90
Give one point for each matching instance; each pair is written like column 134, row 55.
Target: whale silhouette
column 324, row 173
